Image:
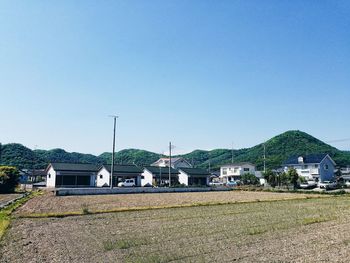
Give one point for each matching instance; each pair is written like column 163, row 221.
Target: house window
column 49, row 175
column 305, row 167
column 101, row 176
column 326, row 167
column 224, row 171
column 142, row 177
column 316, row 165
column 246, row 169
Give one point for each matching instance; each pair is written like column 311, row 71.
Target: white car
column 127, row 183
column 308, row 184
column 328, row 185
column 216, row 183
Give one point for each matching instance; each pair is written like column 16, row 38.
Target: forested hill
column 278, row 149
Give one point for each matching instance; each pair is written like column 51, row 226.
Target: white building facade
column 234, row 171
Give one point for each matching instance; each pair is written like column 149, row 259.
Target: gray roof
column 124, row 168
column 238, row 164
column 164, row 170
column 76, row 167
column 308, row 159
column 195, row 171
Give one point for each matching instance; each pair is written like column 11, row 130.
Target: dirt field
column 8, row 197
column 308, row 230
column 49, row 203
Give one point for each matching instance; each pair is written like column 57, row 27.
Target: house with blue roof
column 318, row 167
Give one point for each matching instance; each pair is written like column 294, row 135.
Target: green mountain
column 278, row 149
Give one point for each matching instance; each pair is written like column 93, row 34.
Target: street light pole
column 113, row 151
column 169, row 164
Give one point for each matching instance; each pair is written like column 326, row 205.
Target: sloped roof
column 173, row 159
column 164, row 170
column 195, row 171
column 124, row 168
column 238, row 164
column 310, row 158
column 81, row 167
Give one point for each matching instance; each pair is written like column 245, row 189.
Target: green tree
column 8, row 178
column 249, row 179
column 293, row 177
column 271, row 178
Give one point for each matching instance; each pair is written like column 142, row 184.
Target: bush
column 8, row 178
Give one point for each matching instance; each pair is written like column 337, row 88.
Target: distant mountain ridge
column 278, row 149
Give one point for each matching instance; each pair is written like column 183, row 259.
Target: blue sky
column 203, row 74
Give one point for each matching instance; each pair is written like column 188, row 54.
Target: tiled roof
column 195, row 171
column 311, row 158
column 124, row 168
column 83, row 167
column 164, row 170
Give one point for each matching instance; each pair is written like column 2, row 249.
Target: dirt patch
column 4, row 198
column 49, row 203
column 246, row 232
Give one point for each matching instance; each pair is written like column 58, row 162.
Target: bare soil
column 8, row 197
column 308, row 230
column 49, row 203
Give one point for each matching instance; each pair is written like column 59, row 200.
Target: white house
column 158, row 175
column 318, row 167
column 176, row 162
column 120, row 173
column 71, row 175
column 234, row 171
column 194, row 176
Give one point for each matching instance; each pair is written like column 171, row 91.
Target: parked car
column 127, row 183
column 216, row 183
column 308, row 184
column 328, row 185
column 347, row 183
column 231, row 183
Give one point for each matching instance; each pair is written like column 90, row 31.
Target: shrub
column 8, row 178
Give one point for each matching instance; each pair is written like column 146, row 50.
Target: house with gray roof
column 194, row 176
column 318, row 167
column 158, row 175
column 121, row 172
column 71, row 175
column 176, row 162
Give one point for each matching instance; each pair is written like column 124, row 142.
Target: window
column 246, row 169
column 224, row 171
column 305, row 167
column 142, row 177
column 49, row 175
column 101, row 176
column 326, row 167
column 316, row 165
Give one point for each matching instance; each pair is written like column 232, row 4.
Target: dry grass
column 50, row 204
column 307, row 230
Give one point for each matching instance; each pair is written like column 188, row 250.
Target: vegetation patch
column 315, row 220
column 256, row 231
column 5, row 213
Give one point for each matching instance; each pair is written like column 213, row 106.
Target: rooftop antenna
column 113, row 151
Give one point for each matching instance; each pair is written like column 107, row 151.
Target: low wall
column 135, row 190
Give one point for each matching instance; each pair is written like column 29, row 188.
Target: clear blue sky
column 202, row 74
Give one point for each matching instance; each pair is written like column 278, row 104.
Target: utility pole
column 169, row 164
column 232, row 153
column 0, row 153
column 113, row 151
column 264, row 158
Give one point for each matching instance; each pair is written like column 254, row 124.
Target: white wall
column 51, row 178
column 105, row 177
column 183, row 178
column 236, row 170
column 147, row 178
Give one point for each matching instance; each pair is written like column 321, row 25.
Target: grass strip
column 5, row 213
column 133, row 209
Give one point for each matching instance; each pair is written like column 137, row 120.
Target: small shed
column 194, row 176
column 120, row 173
column 157, row 175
